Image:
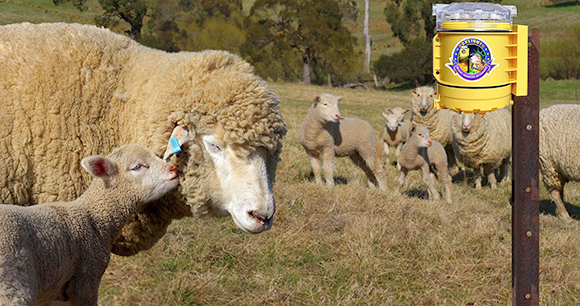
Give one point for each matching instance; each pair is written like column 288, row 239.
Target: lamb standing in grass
column 396, row 131
column 325, row 135
column 60, row 250
column 559, row 144
column 438, row 121
column 484, row 141
column 422, row 153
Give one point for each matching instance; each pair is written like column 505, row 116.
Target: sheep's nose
column 336, row 116
column 263, row 219
column 466, row 126
column 174, row 169
column 429, row 142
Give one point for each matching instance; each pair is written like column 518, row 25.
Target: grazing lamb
column 60, row 250
column 559, row 146
column 396, row 131
column 325, row 135
column 422, row 153
column 69, row 91
column 438, row 121
column 484, row 142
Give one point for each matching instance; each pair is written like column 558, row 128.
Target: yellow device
column 479, row 58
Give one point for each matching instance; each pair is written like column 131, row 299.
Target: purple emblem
column 471, row 59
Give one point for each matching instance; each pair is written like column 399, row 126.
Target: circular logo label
column 471, row 59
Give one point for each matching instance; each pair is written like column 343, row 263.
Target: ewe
column 396, row 130
column 59, row 251
column 325, row 135
column 438, row 121
column 484, row 141
column 69, row 91
column 559, row 142
column 422, row 153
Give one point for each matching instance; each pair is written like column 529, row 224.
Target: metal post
column 525, row 193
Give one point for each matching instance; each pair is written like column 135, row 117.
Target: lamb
column 60, row 250
column 422, row 153
column 70, row 91
column 484, row 142
column 396, row 131
column 559, row 164
column 439, row 121
column 325, row 135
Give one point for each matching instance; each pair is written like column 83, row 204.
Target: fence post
column 525, row 187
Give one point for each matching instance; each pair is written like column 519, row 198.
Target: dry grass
column 350, row 245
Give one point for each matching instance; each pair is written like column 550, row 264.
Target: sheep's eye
column 325, row 104
column 213, row 148
column 137, row 167
column 420, row 135
column 418, row 95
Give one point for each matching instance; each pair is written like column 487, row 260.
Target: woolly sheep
column 396, row 130
column 559, row 163
column 438, row 121
column 325, row 135
column 422, row 153
column 70, row 91
column 60, row 250
column 484, row 141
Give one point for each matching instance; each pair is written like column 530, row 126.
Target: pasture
column 353, row 245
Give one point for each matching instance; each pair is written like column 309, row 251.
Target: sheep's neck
column 313, row 126
column 410, row 157
column 109, row 208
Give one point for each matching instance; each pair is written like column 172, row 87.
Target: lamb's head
column 468, row 121
column 135, row 169
column 394, row 117
column 420, row 136
column 326, row 107
column 422, row 99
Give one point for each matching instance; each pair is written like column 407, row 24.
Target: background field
column 350, row 245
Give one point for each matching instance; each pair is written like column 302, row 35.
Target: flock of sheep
column 434, row 140
column 71, row 94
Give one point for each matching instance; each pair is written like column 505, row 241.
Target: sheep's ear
column 412, row 129
column 100, row 166
column 406, row 110
column 385, row 115
column 338, row 99
column 414, row 92
column 180, row 135
column 317, row 99
column 388, row 110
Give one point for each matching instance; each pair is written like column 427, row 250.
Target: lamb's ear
column 100, row 166
column 412, row 129
column 338, row 99
column 414, row 92
column 180, row 135
column 385, row 116
column 406, row 110
column 388, row 110
column 317, row 99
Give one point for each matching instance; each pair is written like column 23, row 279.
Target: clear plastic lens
column 479, row 13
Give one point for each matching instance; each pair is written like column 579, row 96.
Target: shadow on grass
column 562, row 4
column 309, row 177
column 549, row 208
column 417, row 193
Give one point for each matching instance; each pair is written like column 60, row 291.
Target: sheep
column 559, row 164
column 439, row 121
column 71, row 91
column 60, row 250
column 422, row 153
column 484, row 141
column 325, row 135
column 396, row 131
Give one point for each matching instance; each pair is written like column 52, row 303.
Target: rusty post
column 525, row 187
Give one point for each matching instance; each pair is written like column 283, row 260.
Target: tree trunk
column 367, row 39
column 306, row 69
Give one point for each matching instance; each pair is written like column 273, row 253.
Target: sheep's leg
column 328, row 167
column 386, row 149
column 373, row 168
column 315, row 164
column 446, row 178
column 505, row 172
column 488, row 171
column 558, row 198
column 451, row 159
column 359, row 161
column 427, row 179
column 401, row 180
column 477, row 177
column 397, row 153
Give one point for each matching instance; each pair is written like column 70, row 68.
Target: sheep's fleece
column 68, row 91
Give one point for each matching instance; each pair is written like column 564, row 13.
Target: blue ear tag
column 174, row 145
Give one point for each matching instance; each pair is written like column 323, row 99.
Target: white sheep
column 396, row 130
column 484, row 141
column 422, row 153
column 438, row 121
column 325, row 135
column 60, row 250
column 70, row 91
column 559, row 146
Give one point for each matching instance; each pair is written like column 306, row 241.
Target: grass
column 353, row 245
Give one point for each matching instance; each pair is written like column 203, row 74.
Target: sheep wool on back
column 68, row 91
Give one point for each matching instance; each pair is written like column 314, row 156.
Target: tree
column 411, row 66
column 282, row 31
column 367, row 39
column 131, row 11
